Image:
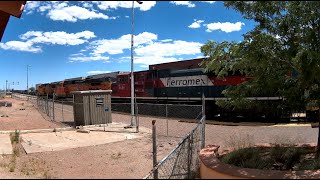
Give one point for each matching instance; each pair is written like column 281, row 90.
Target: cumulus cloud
column 210, row 2
column 116, row 46
column 189, row 4
column 184, row 3
column 31, row 6
column 73, row 13
column 104, row 5
column 196, row 24
column 148, row 49
column 83, row 58
column 226, row 26
column 63, row 11
column 20, row 46
column 31, row 38
column 58, row 37
column 174, row 48
column 97, row 72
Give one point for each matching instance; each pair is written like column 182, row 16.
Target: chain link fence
column 163, row 110
column 56, row 110
column 182, row 162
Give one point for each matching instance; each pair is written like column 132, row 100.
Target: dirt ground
column 126, row 159
column 23, row 116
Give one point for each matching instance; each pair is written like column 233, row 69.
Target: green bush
column 311, row 164
column 288, row 156
column 246, row 158
column 277, row 157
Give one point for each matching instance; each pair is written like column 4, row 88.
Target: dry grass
column 285, row 140
column 35, row 168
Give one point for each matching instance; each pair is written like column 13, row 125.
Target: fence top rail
column 162, row 104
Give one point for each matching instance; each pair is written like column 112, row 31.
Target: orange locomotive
column 95, row 82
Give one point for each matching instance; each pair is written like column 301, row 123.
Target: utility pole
column 133, row 118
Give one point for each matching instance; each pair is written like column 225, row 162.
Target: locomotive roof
column 75, row 79
column 184, row 64
column 98, row 76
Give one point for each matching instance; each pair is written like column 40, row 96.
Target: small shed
column 92, row 107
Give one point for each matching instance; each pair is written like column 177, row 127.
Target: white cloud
column 196, row 24
column 166, row 40
column 189, row 4
column 174, row 48
column 184, row 3
column 104, row 5
column 116, row 46
column 97, row 72
column 83, row 58
column 148, row 49
column 87, row 5
column 58, row 37
column 210, row 2
column 63, row 11
column 38, row 37
column 31, row 6
column 20, row 46
column 73, row 13
column 226, row 26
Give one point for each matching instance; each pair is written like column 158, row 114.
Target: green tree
column 32, row 89
column 281, row 54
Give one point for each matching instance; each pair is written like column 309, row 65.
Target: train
column 175, row 79
column 180, row 81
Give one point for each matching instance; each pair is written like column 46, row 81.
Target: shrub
column 288, row 156
column 15, row 137
column 246, row 158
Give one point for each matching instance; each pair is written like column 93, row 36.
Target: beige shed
column 92, row 107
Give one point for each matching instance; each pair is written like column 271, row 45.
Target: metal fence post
column 203, row 118
column 62, row 111
column 53, row 96
column 154, row 145
column 167, row 119
column 190, row 155
column 47, row 105
column 136, row 114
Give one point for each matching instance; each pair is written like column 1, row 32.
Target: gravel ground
column 133, row 158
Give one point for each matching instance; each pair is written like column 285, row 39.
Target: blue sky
column 65, row 39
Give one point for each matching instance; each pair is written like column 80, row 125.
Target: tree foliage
column 281, row 53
